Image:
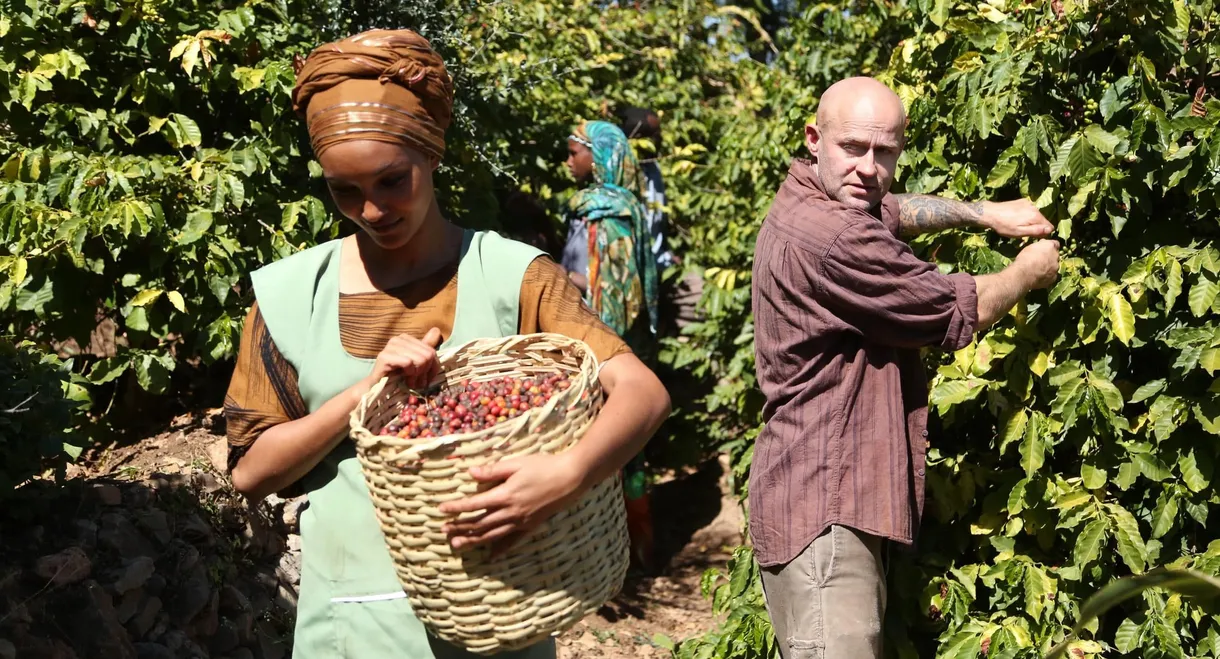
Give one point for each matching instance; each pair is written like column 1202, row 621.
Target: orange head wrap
column 385, row 85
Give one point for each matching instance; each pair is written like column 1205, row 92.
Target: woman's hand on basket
column 413, row 358
column 530, row 490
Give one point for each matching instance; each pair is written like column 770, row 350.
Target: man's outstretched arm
column 1020, row 218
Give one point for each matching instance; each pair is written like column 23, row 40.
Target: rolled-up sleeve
column 873, row 281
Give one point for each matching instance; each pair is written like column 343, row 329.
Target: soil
column 696, row 522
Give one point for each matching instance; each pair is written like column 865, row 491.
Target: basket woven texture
column 549, row 580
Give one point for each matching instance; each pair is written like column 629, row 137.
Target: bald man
column 842, row 307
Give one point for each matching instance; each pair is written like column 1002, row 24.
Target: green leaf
column 664, row 642
column 1082, row 160
column 1179, row 21
column 183, row 131
column 1152, row 467
column 197, row 225
column 175, row 298
column 17, row 271
column 1039, row 589
column 1080, row 200
column 1089, row 543
column 1016, row 497
column 1165, row 515
column 137, row 320
column 1148, row 390
column 964, row 645
column 1127, row 638
column 1060, row 165
column 1173, row 283
column 1203, row 296
column 1101, row 139
column 1209, row 360
column 145, row 297
column 1122, row 319
column 1130, row 544
column 107, row 370
column 1092, row 477
column 1002, row 173
column 1014, row 429
column 1196, row 468
column 1111, row 104
column 939, row 12
column 1033, row 449
column 1109, row 393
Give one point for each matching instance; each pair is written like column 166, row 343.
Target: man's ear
column 434, row 161
column 813, row 137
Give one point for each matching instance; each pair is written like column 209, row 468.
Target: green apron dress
column 351, row 603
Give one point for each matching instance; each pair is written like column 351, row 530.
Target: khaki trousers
column 828, row 602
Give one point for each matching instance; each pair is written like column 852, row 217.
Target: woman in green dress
column 330, row 321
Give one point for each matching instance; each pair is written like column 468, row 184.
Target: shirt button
column 924, row 433
column 919, row 471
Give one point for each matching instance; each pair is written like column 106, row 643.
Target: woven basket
column 549, row 580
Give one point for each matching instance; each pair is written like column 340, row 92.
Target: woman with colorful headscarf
column 608, row 256
column 329, row 322
column 607, row 253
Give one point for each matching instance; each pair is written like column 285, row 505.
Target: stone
column 85, row 532
column 185, row 556
column 155, row 585
column 294, row 543
column 218, row 455
column 197, row 531
column 270, row 645
column 138, row 497
column 241, row 653
column 267, row 578
column 174, row 640
column 7, row 650
column 93, row 624
column 107, row 494
column 135, row 574
column 286, row 598
column 119, row 536
column 233, row 601
column 67, row 567
column 292, row 512
column 129, row 605
column 153, row 651
column 289, row 569
column 207, row 483
column 208, row 620
column 192, row 597
column 225, row 639
column 143, row 622
column 155, row 523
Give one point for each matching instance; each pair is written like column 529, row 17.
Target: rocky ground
column 146, row 553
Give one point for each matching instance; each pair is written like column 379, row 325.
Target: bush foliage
column 150, row 161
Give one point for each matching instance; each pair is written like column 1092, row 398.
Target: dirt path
column 696, row 525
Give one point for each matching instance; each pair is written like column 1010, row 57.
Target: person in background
column 607, row 255
column 329, row 322
column 645, row 125
column 680, row 293
column 842, row 307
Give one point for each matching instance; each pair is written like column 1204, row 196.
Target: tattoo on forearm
column 919, row 213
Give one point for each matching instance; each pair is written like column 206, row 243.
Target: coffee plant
column 1078, row 436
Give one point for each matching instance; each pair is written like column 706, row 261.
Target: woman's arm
column 535, row 487
column 286, row 452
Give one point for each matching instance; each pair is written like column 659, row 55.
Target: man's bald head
column 859, row 98
column 857, row 140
